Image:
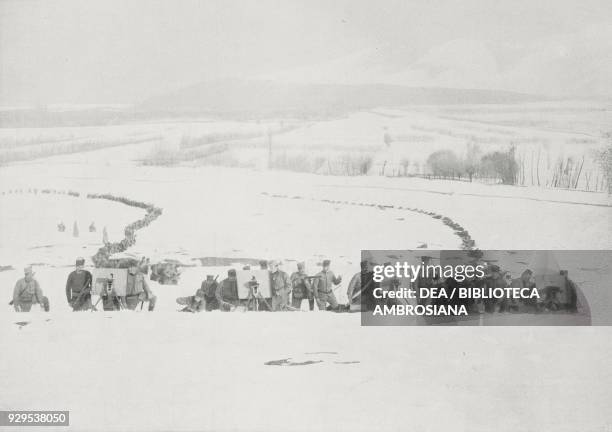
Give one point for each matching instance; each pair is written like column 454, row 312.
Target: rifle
column 94, row 308
column 361, row 290
column 77, row 302
column 85, row 290
column 230, row 306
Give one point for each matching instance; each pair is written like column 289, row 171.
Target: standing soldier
column 227, row 292
column 280, row 287
column 426, row 280
column 78, row 287
column 301, row 288
column 209, row 289
column 263, row 265
column 27, row 292
column 323, row 287
column 137, row 289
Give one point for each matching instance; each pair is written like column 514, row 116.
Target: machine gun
column 109, row 293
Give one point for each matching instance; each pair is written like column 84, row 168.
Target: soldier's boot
column 152, row 302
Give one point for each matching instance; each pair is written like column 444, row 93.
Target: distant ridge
column 264, row 97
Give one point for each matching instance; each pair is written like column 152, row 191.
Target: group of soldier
column 287, row 292
column 27, row 291
column 551, row 298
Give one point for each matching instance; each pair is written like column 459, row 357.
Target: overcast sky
column 121, row 51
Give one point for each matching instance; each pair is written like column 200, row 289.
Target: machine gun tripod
column 255, row 296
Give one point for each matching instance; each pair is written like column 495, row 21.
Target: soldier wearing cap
column 227, row 292
column 27, row 292
column 280, row 287
column 78, row 287
column 209, row 290
column 137, row 289
column 323, row 287
column 301, row 288
column 264, row 265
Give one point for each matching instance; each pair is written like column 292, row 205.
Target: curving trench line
column 467, row 243
column 153, row 212
column 101, row 257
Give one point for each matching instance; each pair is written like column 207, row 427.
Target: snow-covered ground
column 139, row 371
column 167, row 370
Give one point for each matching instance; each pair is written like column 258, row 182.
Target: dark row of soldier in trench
column 287, row 292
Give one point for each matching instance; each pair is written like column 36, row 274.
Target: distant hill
column 576, row 65
column 265, row 97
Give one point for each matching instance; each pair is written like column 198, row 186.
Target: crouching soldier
column 323, row 287
column 78, row 287
column 137, row 290
column 301, row 288
column 227, row 292
column 280, row 287
column 194, row 303
column 209, row 289
column 27, row 292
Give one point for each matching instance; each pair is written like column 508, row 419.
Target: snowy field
column 167, row 370
column 399, row 141
column 134, row 371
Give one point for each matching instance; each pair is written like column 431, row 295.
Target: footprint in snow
column 288, row 362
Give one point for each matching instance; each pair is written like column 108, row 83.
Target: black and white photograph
column 306, row 215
